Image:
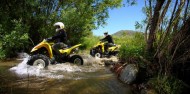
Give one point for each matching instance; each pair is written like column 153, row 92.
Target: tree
column 167, row 46
column 38, row 16
column 154, row 25
column 82, row 16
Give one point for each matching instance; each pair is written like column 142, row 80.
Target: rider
column 60, row 37
column 109, row 39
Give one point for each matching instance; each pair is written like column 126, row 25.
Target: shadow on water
column 18, row 78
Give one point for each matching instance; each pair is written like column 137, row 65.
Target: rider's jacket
column 61, row 36
column 108, row 38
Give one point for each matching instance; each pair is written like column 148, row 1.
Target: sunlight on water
column 58, row 71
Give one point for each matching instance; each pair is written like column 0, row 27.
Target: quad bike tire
column 96, row 52
column 98, row 55
column 115, row 53
column 39, row 60
column 92, row 52
column 76, row 59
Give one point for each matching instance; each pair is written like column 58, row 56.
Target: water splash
column 59, row 71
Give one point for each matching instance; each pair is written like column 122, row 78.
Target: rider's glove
column 49, row 39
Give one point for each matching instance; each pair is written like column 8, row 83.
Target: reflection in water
column 65, row 78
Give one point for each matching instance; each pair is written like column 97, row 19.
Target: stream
column 66, row 78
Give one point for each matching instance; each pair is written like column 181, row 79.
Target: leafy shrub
column 166, row 85
column 128, row 51
column 89, row 42
column 14, row 41
column 133, row 47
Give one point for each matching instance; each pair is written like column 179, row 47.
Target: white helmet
column 59, row 25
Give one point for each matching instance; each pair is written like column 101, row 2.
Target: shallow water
column 91, row 78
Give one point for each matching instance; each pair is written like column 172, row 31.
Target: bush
column 133, row 47
column 130, row 51
column 89, row 42
column 14, row 41
column 166, row 85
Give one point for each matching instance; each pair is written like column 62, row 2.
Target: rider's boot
column 53, row 61
column 106, row 52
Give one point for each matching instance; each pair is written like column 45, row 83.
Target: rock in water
column 128, row 73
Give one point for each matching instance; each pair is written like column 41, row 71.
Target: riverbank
column 10, row 62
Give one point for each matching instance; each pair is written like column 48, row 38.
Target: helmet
column 106, row 32
column 59, row 25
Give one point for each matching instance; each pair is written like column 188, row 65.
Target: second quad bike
column 42, row 55
column 99, row 50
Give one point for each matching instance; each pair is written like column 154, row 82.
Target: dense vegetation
column 23, row 23
column 163, row 49
column 167, row 40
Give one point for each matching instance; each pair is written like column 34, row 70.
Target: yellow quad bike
column 99, row 50
column 42, row 55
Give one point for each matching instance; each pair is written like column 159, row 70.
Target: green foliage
column 82, row 16
column 131, row 2
column 131, row 46
column 14, row 41
column 36, row 19
column 89, row 42
column 167, row 85
column 138, row 25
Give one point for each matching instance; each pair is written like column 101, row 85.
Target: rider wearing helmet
column 60, row 37
column 109, row 39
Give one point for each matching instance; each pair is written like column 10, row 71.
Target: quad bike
column 99, row 50
column 42, row 55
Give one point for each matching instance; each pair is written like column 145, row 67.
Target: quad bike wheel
column 39, row 60
column 98, row 55
column 92, row 52
column 116, row 53
column 76, row 59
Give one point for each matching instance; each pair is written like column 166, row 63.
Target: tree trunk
column 159, row 22
column 177, row 17
column 185, row 13
column 163, row 13
column 168, row 30
column 153, row 26
column 178, row 50
column 179, row 43
column 149, row 19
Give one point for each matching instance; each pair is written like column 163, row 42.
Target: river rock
column 129, row 73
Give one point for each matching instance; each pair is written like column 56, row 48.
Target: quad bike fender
column 75, row 46
column 118, row 46
column 68, row 51
column 114, row 48
column 99, row 45
column 43, row 45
